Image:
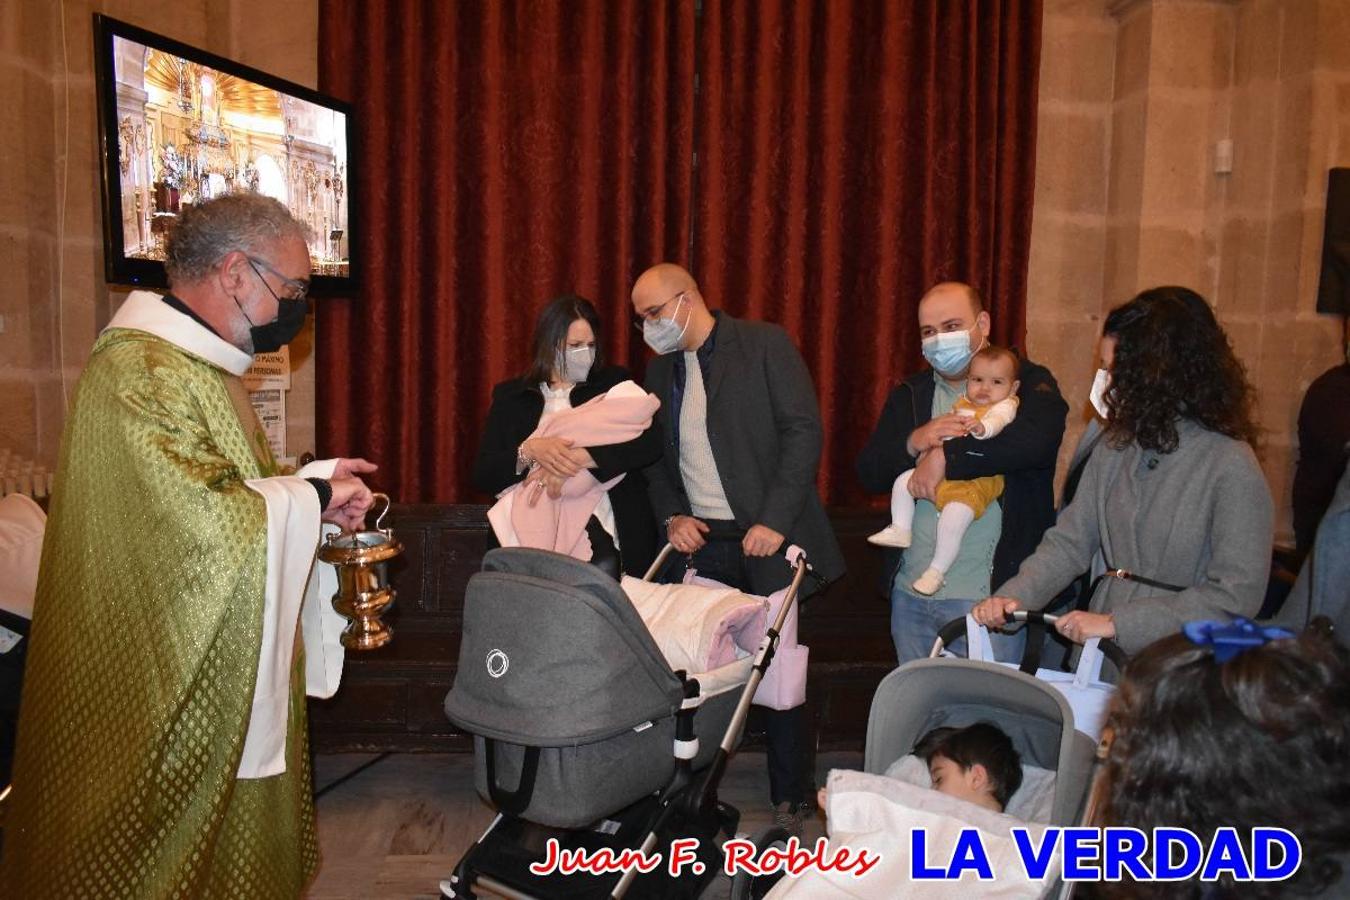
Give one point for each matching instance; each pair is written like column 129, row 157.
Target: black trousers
column 790, row 775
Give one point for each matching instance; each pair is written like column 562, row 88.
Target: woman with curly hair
column 1206, row 735
column 1173, row 498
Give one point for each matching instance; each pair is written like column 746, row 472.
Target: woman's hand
column 541, row 481
column 556, row 455
column 1080, row 627
column 994, row 612
column 685, row 533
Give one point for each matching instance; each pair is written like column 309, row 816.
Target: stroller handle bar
column 796, row 560
column 956, row 628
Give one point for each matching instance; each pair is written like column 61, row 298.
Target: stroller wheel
column 745, row 886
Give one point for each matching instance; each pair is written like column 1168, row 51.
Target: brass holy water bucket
column 363, row 592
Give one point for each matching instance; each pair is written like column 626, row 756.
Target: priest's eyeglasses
column 299, row 289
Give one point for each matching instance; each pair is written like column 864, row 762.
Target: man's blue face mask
column 949, row 352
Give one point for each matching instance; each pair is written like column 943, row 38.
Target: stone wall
column 1136, row 96
column 55, row 300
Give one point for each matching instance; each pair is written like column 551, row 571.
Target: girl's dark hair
column 550, row 333
column 1173, row 360
column 1261, row 740
column 980, row 743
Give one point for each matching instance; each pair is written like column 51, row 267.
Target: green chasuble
column 145, row 650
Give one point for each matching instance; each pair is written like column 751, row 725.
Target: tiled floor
column 396, row 829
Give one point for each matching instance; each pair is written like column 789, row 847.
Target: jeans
column 916, row 620
column 723, row 561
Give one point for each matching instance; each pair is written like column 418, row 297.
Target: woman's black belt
column 1123, row 575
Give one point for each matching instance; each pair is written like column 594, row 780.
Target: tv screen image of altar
column 187, row 132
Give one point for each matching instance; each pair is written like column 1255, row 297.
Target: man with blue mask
column 918, row 430
column 742, row 438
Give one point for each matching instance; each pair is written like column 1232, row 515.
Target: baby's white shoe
column 929, row 583
column 890, row 536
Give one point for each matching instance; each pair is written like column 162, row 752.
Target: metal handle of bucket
column 342, row 532
column 956, row 628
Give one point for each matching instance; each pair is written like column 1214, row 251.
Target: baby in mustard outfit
column 991, row 400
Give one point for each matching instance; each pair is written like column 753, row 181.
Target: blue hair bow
column 1228, row 639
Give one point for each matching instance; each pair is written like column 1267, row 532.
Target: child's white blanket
column 878, row 814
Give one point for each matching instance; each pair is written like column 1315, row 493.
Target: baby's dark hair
column 992, row 352
column 983, row 744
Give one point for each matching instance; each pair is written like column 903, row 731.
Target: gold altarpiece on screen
column 188, row 133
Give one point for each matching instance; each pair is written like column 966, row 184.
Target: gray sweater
column 1200, row 517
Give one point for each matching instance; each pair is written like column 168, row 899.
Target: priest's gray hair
column 249, row 223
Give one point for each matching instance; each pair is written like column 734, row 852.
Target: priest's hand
column 349, row 504
column 346, row 468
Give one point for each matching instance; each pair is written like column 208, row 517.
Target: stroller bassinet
column 570, row 701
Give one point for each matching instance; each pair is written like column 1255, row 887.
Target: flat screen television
column 179, row 126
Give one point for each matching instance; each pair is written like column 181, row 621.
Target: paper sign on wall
column 270, row 406
column 270, row 371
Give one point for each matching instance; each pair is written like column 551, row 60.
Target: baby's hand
column 977, row 428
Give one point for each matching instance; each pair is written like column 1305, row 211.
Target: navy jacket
column 1024, row 453
column 766, row 437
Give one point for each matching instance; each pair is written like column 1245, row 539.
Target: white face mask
column 664, row 335
column 1101, row 383
column 576, row 364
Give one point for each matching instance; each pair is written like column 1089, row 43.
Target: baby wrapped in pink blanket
column 619, row 415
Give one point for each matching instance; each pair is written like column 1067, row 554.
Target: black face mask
column 280, row 331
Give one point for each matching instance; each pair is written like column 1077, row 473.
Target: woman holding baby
column 566, row 371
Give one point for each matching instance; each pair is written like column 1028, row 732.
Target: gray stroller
column 583, row 734
column 944, row 690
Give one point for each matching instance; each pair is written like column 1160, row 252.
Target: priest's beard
column 241, row 335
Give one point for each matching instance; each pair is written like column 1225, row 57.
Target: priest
column 179, row 620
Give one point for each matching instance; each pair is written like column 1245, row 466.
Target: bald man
column 918, row 430
column 742, row 439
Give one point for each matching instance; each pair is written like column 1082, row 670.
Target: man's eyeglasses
column 299, row 289
column 651, row 315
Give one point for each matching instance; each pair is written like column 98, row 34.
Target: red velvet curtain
column 509, row 151
column 849, row 154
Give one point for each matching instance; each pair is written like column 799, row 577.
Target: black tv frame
column 136, row 272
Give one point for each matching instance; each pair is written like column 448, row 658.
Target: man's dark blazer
column 515, row 412
column 765, row 432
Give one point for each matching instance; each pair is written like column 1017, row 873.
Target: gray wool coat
column 1199, row 517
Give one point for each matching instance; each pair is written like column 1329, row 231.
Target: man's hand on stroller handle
column 761, row 540
column 686, row 534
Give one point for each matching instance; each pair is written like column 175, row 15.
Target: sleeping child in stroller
column 977, row 764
